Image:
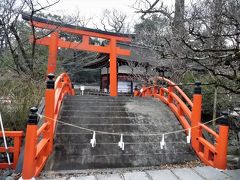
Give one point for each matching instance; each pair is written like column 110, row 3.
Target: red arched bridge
column 159, row 125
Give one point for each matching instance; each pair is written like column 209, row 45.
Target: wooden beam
column 46, row 41
column 78, row 31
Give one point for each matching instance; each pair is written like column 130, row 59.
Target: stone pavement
column 196, row 173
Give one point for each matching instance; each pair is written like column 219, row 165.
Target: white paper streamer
column 162, row 143
column 121, row 143
column 93, row 140
column 189, row 136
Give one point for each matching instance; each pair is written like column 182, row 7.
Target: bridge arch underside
column 127, row 115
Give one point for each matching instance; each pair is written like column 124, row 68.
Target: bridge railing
column 13, row 149
column 39, row 140
column 188, row 113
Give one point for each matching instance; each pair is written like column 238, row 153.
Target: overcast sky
column 94, row 8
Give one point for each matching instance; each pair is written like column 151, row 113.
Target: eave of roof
column 103, row 61
column 28, row 17
column 96, row 63
column 140, row 55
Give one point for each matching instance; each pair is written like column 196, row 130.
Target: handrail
column 42, row 128
column 190, row 117
column 62, row 86
column 209, row 130
column 39, row 141
column 15, row 149
column 179, row 90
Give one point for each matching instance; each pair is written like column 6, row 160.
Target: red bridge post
column 220, row 159
column 49, row 109
column 29, row 162
column 196, row 116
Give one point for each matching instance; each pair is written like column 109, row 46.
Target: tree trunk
column 215, row 105
column 178, row 28
column 216, row 23
column 178, row 21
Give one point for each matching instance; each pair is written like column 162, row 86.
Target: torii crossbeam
column 54, row 42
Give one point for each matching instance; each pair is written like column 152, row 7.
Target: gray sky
column 93, row 9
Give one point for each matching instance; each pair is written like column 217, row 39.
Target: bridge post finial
column 33, row 117
column 50, row 81
column 197, row 89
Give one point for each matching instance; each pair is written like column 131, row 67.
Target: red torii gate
column 54, row 41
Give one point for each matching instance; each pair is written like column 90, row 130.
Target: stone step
column 129, row 118
column 100, row 120
column 85, row 149
column 103, row 98
column 79, row 120
column 95, row 103
column 76, row 162
column 70, row 138
column 146, row 129
column 95, row 113
column 94, row 107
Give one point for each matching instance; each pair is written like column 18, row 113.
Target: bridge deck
column 72, row 150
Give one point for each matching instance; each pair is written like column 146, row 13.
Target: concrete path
column 196, row 173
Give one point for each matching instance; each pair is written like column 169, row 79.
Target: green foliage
column 207, row 90
column 87, row 76
column 224, row 100
column 18, row 95
column 21, row 90
column 151, row 25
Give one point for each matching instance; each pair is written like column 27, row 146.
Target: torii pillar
column 53, row 52
column 113, row 68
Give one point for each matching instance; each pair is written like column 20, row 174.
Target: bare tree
column 175, row 17
column 210, row 38
column 114, row 20
column 13, row 37
column 214, row 44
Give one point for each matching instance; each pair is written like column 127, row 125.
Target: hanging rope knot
column 40, row 116
column 121, row 143
column 93, row 140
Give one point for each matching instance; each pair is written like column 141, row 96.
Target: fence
column 39, row 141
column 188, row 113
column 14, row 150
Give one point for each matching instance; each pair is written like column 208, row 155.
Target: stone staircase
column 127, row 115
